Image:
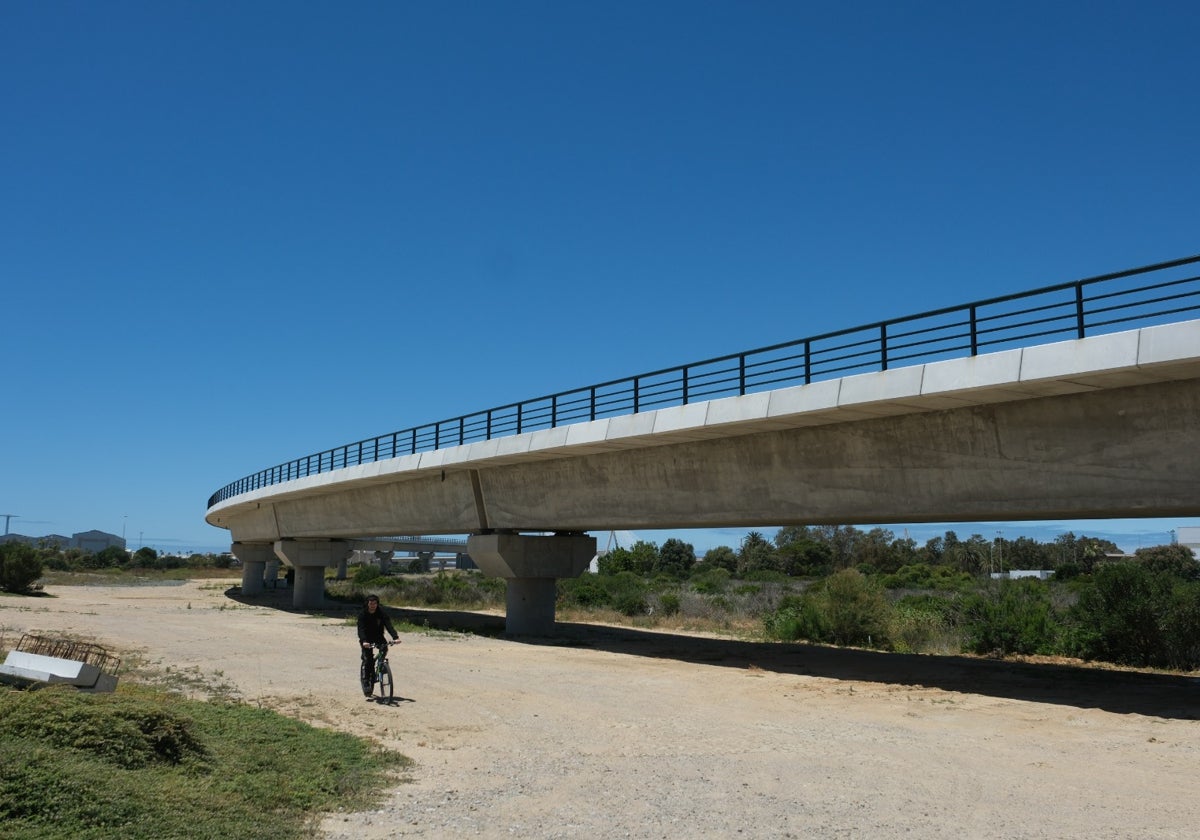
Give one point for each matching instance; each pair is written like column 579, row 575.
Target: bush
column 587, row 590
column 920, row 624
column 925, row 576
column 855, row 609
column 846, row 609
column 796, row 617
column 20, row 567
column 367, row 573
column 668, row 603
column 711, row 581
column 1017, row 617
column 1131, row 615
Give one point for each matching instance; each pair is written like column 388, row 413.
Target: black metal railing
column 1139, row 297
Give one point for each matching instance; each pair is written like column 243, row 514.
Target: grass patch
column 142, row 763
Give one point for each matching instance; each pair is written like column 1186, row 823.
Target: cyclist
column 372, row 621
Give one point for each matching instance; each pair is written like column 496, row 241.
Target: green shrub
column 1122, row 613
column 854, row 608
column 588, row 590
column 796, row 618
column 925, row 576
column 367, row 573
column 668, row 603
column 922, row 624
column 20, row 567
column 1015, row 617
column 711, row 581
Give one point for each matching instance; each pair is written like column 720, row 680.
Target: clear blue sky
column 233, row 233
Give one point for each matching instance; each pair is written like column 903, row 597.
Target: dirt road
column 621, row 733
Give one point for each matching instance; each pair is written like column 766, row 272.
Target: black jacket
column 372, row 625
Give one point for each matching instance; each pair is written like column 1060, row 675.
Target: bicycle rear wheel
column 385, row 681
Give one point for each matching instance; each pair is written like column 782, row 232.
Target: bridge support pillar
column 254, row 558
column 385, row 561
column 271, row 575
column 341, row 569
column 531, row 565
column 310, row 559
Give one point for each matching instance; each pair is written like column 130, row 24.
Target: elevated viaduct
column 1091, row 427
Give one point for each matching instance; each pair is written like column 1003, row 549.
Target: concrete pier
column 531, row 565
column 310, row 559
column 254, row 558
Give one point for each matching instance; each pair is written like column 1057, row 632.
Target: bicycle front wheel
column 385, row 681
column 368, row 684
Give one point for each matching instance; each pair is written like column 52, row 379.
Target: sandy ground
column 607, row 732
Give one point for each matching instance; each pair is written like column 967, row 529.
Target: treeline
column 22, row 564
column 817, row 551
column 839, row 585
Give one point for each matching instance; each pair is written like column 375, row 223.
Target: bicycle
column 383, row 675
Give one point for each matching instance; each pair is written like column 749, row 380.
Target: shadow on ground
column 1121, row 692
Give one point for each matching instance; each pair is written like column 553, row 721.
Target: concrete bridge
column 1096, row 427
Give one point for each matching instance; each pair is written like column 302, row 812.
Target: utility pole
column 7, row 518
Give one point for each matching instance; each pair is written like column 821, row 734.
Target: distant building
column 1189, row 537
column 93, row 541
column 96, row 540
column 1040, row 574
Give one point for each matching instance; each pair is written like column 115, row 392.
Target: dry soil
column 609, row 732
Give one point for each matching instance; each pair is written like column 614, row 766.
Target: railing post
column 883, row 346
column 742, row 375
column 807, row 361
column 1079, row 310
column 685, row 385
column 974, row 332
column 520, row 409
column 554, row 411
column 636, row 395
column 462, row 430
column 414, row 441
column 489, row 424
column 437, row 435
column 593, row 403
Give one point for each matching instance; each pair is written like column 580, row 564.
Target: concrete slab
column 51, row 669
column 1065, row 359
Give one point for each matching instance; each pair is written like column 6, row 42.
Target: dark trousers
column 368, row 658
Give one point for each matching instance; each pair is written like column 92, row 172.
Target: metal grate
column 76, row 651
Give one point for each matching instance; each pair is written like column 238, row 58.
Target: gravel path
column 620, row 733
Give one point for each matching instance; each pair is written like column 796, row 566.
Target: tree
column 874, row 548
column 145, row 557
column 1176, row 560
column 645, row 557
column 113, row 555
column 842, row 541
column 792, row 533
column 615, row 561
column 20, row 567
column 804, row 557
column 718, row 557
column 755, row 554
column 676, row 558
